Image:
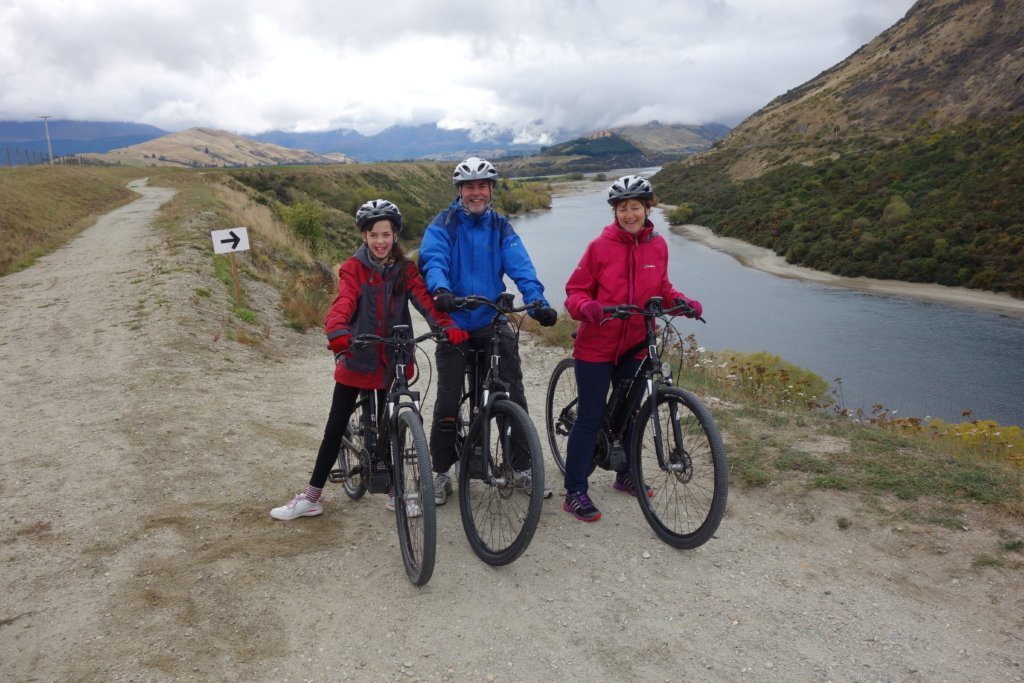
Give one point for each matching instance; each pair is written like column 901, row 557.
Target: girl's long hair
column 402, row 265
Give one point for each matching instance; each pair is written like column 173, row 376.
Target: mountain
column 947, row 62
column 72, row 137
column 396, row 143
column 677, row 139
column 651, row 144
column 901, row 162
column 202, row 147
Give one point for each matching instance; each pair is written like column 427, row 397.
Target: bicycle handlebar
column 652, row 309
column 502, row 305
column 367, row 338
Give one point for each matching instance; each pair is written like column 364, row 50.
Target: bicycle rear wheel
column 498, row 515
column 690, row 480
column 351, row 456
column 560, row 409
column 414, row 493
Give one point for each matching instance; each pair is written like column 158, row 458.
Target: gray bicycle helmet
column 374, row 210
column 474, row 168
column 630, row 187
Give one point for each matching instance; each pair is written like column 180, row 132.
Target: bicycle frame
column 399, row 397
column 628, row 395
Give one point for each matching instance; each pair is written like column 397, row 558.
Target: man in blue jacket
column 468, row 249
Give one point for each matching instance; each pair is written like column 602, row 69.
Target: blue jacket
column 468, row 254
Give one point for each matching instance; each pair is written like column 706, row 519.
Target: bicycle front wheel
column 678, row 452
column 560, row 409
column 414, row 498
column 499, row 515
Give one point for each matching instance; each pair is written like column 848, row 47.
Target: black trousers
column 451, row 360
column 342, row 405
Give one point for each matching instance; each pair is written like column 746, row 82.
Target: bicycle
column 491, row 429
column 675, row 447
column 405, row 468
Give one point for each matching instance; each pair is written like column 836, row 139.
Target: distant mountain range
column 652, row 143
column 398, row 143
column 74, row 137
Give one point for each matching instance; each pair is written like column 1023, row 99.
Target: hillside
column 901, row 162
column 205, row 147
column 651, row 144
column 676, row 139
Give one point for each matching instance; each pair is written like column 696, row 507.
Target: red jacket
column 617, row 268
column 366, row 302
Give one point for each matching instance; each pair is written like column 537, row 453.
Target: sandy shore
column 768, row 261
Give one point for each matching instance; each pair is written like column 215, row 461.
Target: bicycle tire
column 498, row 516
column 414, row 483
column 560, row 409
column 350, row 456
column 688, row 503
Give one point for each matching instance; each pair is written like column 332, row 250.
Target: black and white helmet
column 374, row 210
column 630, row 187
column 474, row 168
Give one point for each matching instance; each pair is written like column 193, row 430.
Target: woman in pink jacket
column 626, row 264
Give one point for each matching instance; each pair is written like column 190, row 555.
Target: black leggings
column 342, row 404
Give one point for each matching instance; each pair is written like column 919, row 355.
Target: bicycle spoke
column 686, row 470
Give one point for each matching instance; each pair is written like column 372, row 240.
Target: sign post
column 228, row 242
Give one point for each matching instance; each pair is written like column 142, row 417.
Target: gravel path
column 143, row 449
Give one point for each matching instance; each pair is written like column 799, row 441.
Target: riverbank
column 768, row 261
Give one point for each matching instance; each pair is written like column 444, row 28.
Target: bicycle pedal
column 337, row 476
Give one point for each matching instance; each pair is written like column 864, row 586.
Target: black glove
column 444, row 301
column 546, row 316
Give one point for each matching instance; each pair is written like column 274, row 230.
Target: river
column 914, row 357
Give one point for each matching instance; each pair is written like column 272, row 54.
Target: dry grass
column 265, row 227
column 45, row 206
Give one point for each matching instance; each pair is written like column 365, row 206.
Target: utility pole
column 46, row 127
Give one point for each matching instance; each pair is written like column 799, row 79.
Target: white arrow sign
column 230, row 240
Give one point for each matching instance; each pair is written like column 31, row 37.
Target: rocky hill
column 900, row 162
column 947, row 62
column 205, row 147
column 651, row 144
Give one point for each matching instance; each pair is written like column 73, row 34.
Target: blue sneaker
column 580, row 506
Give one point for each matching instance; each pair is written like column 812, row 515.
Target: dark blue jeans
column 593, row 380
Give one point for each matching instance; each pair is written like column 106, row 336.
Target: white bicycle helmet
column 630, row 187
column 474, row 168
column 374, row 210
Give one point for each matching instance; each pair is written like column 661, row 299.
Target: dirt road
column 142, row 449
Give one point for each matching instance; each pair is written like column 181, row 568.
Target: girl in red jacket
column 375, row 287
column 626, row 264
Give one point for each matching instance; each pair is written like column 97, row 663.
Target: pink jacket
column 617, row 268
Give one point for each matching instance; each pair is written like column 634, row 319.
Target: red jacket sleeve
column 336, row 322
column 582, row 285
column 423, row 302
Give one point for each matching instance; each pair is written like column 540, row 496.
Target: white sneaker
column 299, row 506
column 524, row 478
column 412, row 508
column 442, row 488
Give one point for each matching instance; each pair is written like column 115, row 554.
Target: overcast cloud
column 255, row 65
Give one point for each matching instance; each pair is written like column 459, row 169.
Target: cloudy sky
column 253, row 65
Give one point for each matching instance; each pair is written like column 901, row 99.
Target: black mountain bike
column 674, row 446
column 495, row 439
column 396, row 456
